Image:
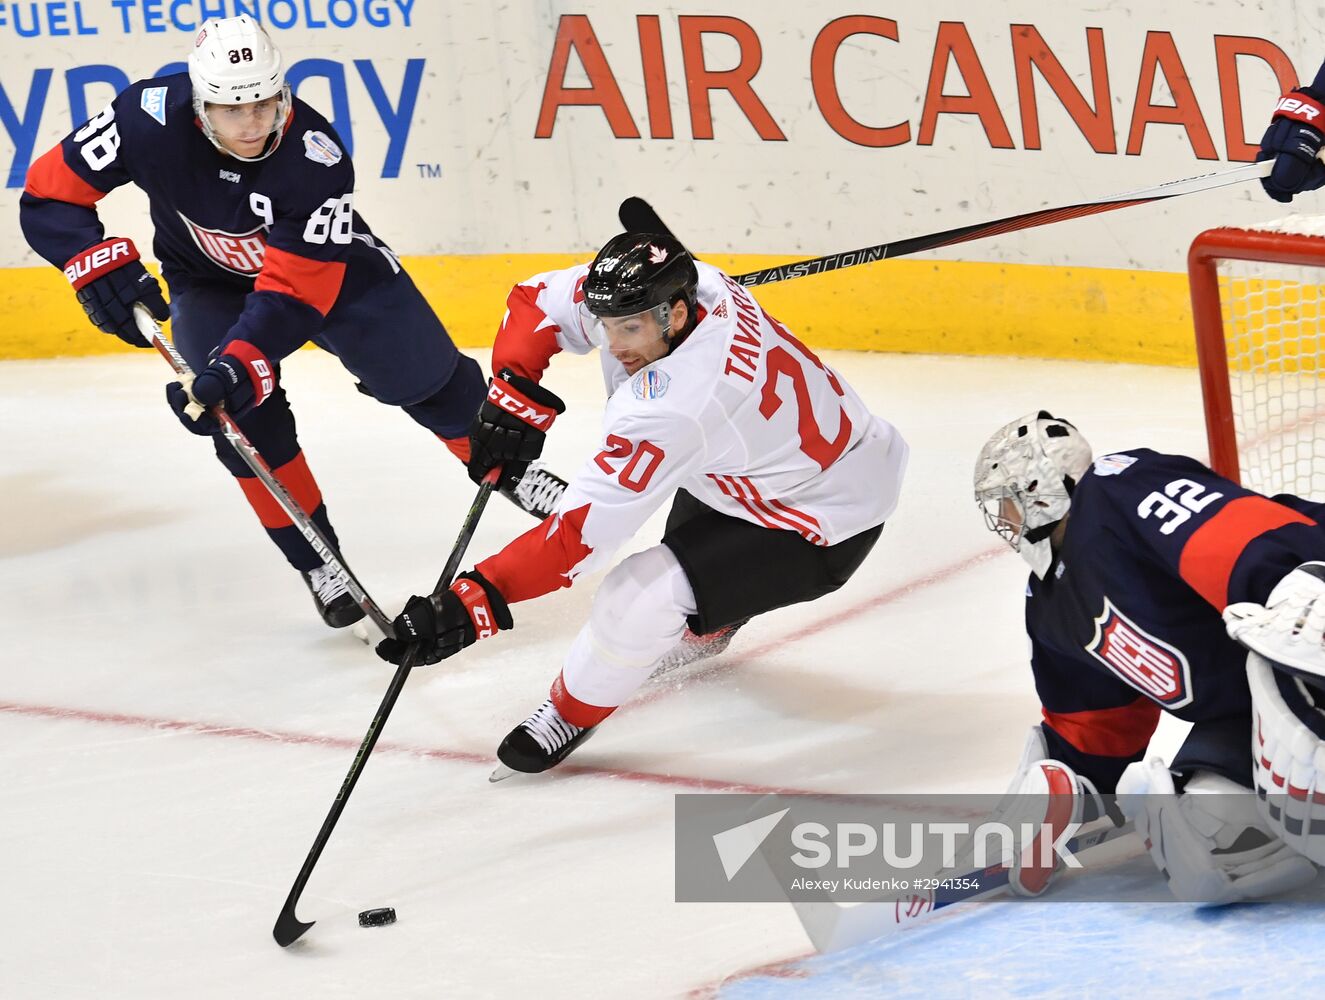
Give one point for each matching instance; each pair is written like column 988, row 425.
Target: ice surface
column 177, row 720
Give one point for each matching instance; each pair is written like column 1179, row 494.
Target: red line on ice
column 218, row 729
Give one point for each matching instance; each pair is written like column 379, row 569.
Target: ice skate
column 538, row 493
column 332, row 597
column 541, row 742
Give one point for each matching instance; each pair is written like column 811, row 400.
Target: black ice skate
column 542, row 741
column 538, row 492
column 332, row 597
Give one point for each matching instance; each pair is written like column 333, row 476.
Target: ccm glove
column 510, row 427
column 439, row 627
column 109, row 279
column 1293, row 140
column 240, row 379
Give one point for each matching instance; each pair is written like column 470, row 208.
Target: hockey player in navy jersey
column 1134, row 557
column 252, row 200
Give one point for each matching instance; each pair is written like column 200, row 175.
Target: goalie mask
column 240, row 95
column 1024, row 479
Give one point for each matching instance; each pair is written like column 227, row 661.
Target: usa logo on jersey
column 239, row 253
column 1150, row 665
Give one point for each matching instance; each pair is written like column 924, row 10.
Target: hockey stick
column 149, row 328
column 289, row 927
column 832, row 926
column 637, row 216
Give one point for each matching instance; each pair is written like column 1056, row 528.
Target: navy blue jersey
column 1127, row 624
column 283, row 227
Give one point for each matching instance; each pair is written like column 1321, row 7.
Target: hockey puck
column 379, row 917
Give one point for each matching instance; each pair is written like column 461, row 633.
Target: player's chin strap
column 1039, row 534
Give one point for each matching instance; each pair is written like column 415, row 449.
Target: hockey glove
column 439, row 627
column 1289, row 628
column 108, row 279
column 240, row 379
column 1294, row 140
column 510, row 427
column 1046, row 798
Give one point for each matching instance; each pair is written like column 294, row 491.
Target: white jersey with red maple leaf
column 741, row 414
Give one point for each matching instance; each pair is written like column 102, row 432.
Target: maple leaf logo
column 656, row 254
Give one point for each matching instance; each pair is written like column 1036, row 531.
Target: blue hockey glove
column 240, row 379
column 108, row 280
column 1294, row 140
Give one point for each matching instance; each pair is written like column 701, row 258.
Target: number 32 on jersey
column 1180, row 500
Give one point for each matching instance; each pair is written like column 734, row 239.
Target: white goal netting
column 1272, row 321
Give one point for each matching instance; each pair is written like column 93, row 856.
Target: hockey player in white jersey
column 782, row 478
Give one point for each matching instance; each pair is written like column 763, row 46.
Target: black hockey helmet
column 639, row 271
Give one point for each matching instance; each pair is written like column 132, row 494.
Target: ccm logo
column 517, row 407
column 1298, row 109
column 84, row 265
column 472, row 596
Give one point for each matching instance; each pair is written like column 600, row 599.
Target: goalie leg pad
column 1209, row 843
column 1288, row 756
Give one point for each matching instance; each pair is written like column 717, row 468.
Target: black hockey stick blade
column 637, row 216
column 289, row 928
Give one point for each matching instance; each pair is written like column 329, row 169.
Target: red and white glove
column 109, row 280
column 1051, row 799
column 439, row 627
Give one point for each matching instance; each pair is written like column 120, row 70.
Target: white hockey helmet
column 234, row 62
column 1024, row 479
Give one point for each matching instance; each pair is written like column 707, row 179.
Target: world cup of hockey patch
column 650, row 384
column 1150, row 665
column 1111, row 465
column 154, row 103
column 319, row 148
column 239, row 253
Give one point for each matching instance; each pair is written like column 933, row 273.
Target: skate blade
column 501, row 774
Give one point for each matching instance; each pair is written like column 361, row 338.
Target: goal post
column 1258, row 305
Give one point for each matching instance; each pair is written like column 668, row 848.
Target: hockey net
column 1258, row 301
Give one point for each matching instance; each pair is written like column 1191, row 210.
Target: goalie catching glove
column 510, row 427
column 439, row 627
column 1289, row 629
